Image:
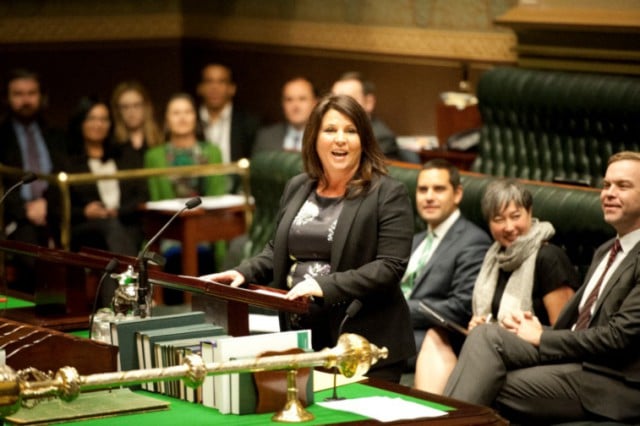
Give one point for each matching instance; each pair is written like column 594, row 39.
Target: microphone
column 141, row 260
column 111, row 266
column 353, row 308
column 26, row 179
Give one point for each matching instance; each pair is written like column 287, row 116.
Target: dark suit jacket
column 446, row 283
column 10, row 155
column 270, row 138
column 386, row 138
column 368, row 258
column 244, row 127
column 609, row 383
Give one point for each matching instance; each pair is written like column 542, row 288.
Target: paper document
column 383, row 408
column 260, row 323
column 209, row 203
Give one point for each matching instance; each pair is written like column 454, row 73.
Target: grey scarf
column 520, row 258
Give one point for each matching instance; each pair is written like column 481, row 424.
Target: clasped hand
column 525, row 325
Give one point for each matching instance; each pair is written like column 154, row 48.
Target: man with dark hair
column 587, row 367
column 363, row 91
column 299, row 97
column 225, row 125
column 446, row 258
column 31, row 214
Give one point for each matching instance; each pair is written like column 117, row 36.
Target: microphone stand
column 144, row 256
column 352, row 310
column 144, row 289
column 111, row 266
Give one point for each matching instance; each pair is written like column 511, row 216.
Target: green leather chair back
column 543, row 125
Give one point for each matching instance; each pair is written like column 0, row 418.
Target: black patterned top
column 310, row 237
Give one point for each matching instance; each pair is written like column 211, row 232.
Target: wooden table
column 201, row 224
column 194, row 226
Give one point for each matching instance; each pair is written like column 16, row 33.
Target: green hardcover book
column 123, row 333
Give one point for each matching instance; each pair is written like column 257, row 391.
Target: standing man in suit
column 588, row 365
column 225, row 125
column 363, row 91
column 299, row 97
column 446, row 258
column 31, row 214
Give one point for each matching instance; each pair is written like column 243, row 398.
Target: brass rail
column 64, row 180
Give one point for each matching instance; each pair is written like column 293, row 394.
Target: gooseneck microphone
column 26, row 179
column 111, row 266
column 353, row 308
column 141, row 260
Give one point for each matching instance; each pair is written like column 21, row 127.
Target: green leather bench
column 547, row 125
column 575, row 212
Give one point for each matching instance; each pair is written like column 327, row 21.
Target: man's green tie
column 410, row 275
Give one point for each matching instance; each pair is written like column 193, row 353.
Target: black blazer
column 609, row 349
column 369, row 255
column 132, row 192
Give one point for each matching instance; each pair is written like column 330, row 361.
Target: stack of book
column 160, row 342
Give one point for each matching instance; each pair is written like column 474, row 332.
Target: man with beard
column 31, row 214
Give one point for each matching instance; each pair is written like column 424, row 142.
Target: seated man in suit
column 446, row 258
column 31, row 214
column 299, row 97
column 226, row 125
column 363, row 91
column 588, row 365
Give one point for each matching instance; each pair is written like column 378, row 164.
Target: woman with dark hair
column 342, row 235
column 104, row 214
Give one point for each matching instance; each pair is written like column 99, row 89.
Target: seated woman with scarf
column 521, row 271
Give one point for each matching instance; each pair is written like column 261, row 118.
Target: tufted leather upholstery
column 542, row 125
column 575, row 212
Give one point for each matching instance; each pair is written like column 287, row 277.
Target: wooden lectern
column 62, row 296
column 63, row 301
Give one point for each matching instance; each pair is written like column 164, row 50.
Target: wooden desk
column 194, row 226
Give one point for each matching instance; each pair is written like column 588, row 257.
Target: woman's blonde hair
column 150, row 129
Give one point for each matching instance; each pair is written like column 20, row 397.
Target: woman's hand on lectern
column 231, row 277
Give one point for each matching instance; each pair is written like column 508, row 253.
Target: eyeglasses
column 135, row 105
